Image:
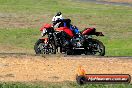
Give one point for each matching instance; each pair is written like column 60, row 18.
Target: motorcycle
column 64, row 40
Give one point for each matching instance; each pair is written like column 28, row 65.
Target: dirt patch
column 17, row 20
column 58, row 68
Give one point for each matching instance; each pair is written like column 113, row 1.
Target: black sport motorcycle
column 64, row 40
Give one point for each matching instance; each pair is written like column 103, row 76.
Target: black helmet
column 58, row 13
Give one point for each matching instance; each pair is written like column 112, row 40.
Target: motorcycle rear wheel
column 96, row 48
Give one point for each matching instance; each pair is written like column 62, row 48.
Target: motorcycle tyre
column 101, row 45
column 41, row 41
column 36, row 46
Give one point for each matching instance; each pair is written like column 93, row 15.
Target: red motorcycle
column 64, row 40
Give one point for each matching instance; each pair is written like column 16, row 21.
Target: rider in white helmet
column 59, row 21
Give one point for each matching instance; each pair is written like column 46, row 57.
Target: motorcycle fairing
column 45, row 26
column 45, row 40
column 66, row 30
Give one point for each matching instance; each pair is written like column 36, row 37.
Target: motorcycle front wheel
column 41, row 47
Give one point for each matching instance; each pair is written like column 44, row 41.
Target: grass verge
column 61, row 85
column 25, row 39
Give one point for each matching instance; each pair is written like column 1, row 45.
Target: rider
column 59, row 21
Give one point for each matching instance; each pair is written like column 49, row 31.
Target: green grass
column 24, row 38
column 19, row 85
column 21, row 19
column 61, row 85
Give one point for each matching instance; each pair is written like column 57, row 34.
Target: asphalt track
column 109, row 3
column 63, row 55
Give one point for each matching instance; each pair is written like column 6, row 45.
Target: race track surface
column 57, row 68
column 112, row 2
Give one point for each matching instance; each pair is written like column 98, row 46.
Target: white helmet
column 58, row 16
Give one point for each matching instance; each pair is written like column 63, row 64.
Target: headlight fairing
column 43, row 32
